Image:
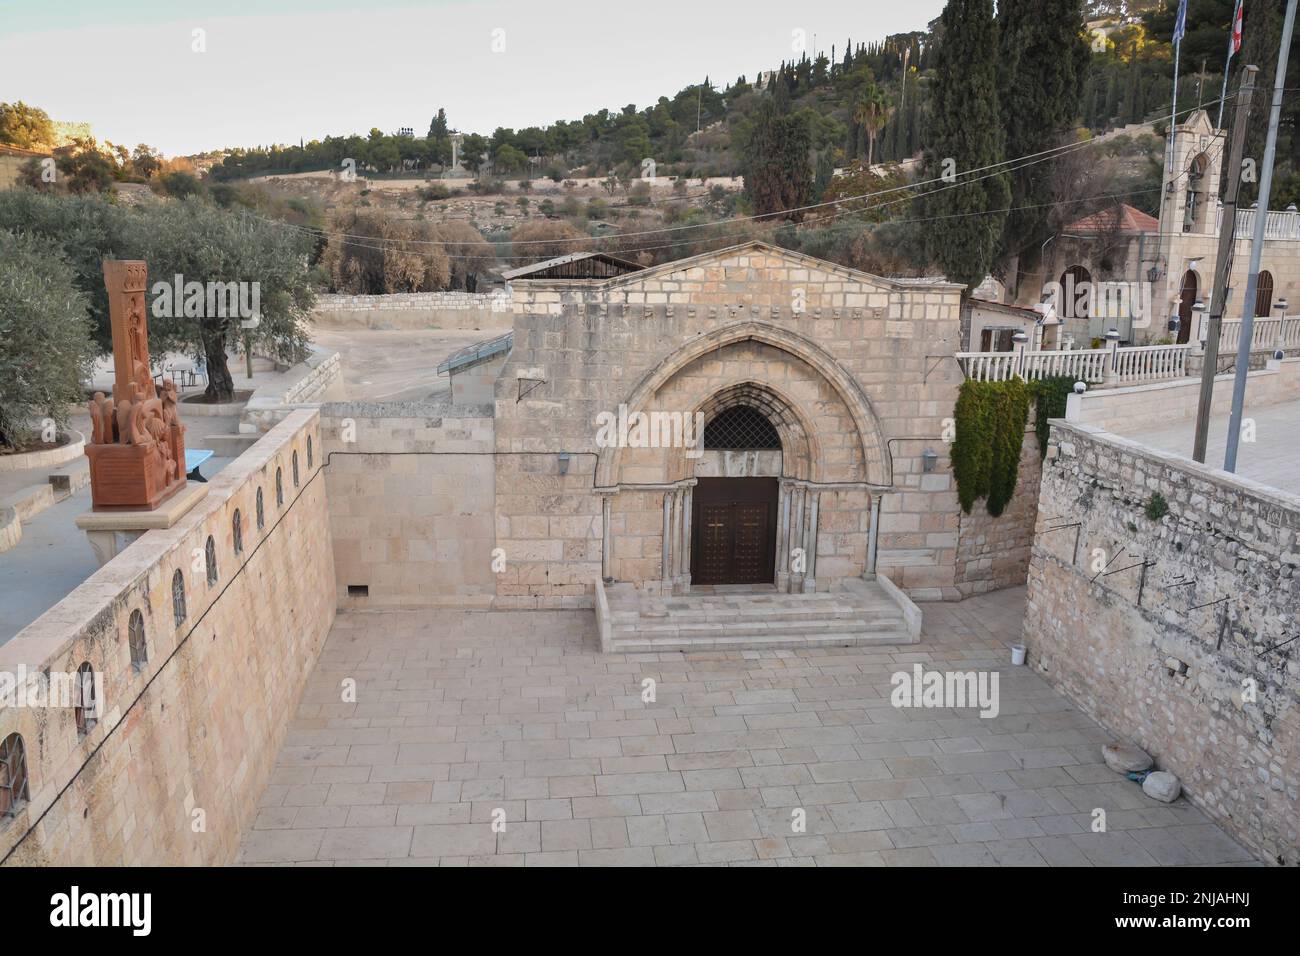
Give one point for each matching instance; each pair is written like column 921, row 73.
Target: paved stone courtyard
column 460, row 715
column 1270, row 458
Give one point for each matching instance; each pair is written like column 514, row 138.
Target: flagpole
column 1227, row 65
column 1173, row 110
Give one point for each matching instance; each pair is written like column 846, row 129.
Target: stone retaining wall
column 993, row 553
column 414, row 310
column 171, row 772
column 1187, row 657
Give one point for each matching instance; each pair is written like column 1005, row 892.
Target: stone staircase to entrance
column 859, row 613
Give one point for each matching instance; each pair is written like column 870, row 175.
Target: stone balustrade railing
column 1279, row 224
column 1087, row 365
column 1266, row 334
column 1107, row 366
column 1150, row 363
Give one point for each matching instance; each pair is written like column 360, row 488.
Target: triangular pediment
column 770, row 258
column 1196, row 123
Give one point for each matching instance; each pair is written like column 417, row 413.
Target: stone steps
column 865, row 614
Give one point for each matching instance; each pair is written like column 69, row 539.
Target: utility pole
column 1223, row 262
column 1257, row 246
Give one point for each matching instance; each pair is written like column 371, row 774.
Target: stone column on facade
column 783, row 538
column 606, row 508
column 675, row 530
column 873, row 537
column 797, row 537
column 665, row 577
column 810, row 577
column 688, row 500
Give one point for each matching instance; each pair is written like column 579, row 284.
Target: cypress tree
column 776, row 167
column 1041, row 44
column 964, row 127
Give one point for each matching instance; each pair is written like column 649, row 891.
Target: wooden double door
column 733, row 533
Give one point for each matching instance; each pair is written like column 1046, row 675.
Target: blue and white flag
column 1180, row 25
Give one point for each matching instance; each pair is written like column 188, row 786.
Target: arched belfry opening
column 737, row 494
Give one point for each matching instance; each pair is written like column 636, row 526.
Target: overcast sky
column 275, row 71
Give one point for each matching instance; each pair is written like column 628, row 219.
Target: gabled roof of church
column 796, row 259
column 1197, row 119
column 1132, row 222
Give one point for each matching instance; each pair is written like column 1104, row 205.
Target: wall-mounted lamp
column 928, row 460
column 564, row 462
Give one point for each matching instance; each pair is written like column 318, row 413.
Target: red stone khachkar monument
column 137, row 446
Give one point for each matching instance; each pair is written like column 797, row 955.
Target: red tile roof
column 1132, row 222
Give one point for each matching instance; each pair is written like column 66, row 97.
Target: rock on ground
column 1125, row 758
column 1162, row 786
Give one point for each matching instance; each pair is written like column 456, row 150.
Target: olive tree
column 207, row 247
column 45, row 344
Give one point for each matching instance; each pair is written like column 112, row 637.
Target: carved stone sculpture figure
column 137, row 447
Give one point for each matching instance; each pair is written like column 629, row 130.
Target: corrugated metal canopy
column 575, row 265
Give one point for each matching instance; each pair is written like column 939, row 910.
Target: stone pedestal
column 110, row 532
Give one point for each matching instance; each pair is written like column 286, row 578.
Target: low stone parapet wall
column 1167, row 403
column 311, row 381
column 168, row 766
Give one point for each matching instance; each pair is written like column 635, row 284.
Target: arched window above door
column 741, row 426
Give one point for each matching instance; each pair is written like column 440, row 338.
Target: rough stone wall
column 414, row 310
column 412, row 504
column 184, row 745
column 1184, row 661
column 590, row 344
column 993, row 553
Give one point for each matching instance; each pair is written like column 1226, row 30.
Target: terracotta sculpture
column 137, row 446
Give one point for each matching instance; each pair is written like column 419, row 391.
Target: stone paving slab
column 460, row 718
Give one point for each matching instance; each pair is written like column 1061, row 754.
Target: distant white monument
column 457, row 171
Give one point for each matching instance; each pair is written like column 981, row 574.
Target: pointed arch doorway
column 733, row 533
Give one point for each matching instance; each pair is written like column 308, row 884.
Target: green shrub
column 1157, row 507
column 1051, row 395
column 990, row 422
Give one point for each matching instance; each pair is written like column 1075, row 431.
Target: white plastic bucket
column 1018, row 654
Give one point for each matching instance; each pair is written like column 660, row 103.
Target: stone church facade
column 824, row 395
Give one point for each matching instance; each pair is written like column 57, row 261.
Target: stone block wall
column 993, row 553
column 185, row 741
column 414, row 310
column 1187, row 656
column 583, row 348
column 412, row 502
